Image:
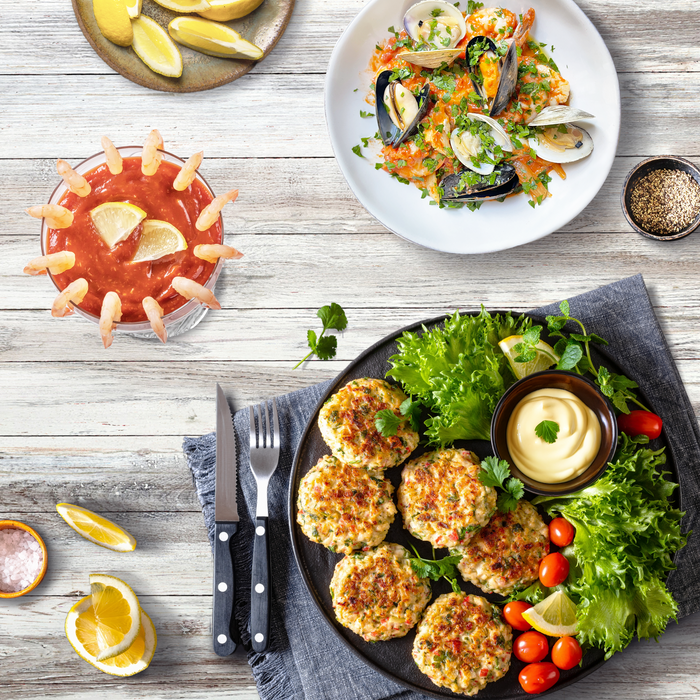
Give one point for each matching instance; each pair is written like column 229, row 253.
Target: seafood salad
column 470, row 108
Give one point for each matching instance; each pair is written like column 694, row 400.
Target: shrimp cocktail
column 134, row 240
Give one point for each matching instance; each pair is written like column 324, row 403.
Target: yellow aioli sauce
column 577, row 443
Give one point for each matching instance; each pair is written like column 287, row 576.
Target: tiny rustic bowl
column 644, row 168
column 16, row 525
column 589, row 394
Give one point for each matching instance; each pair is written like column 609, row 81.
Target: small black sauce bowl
column 644, row 168
column 589, row 394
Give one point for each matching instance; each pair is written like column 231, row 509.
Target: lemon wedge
column 522, row 369
column 113, row 21
column 116, row 613
column 155, row 48
column 96, row 529
column 158, row 238
column 212, row 38
column 82, row 630
column 115, row 221
column 184, row 5
column 225, row 10
column 554, row 616
column 133, row 7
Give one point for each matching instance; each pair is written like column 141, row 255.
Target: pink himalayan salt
column 21, row 560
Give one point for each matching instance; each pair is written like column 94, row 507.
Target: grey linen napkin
column 306, row 661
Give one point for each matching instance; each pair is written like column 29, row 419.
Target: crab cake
column 462, row 643
column 346, row 422
column 442, row 499
column 505, row 556
column 344, row 508
column 377, row 594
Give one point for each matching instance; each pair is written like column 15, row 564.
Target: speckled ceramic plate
column 262, row 27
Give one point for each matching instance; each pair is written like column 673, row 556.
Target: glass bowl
column 16, row 525
column 176, row 322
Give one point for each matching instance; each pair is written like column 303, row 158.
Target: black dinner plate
column 393, row 658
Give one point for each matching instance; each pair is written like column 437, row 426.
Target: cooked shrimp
column 150, row 158
column 211, row 253
column 55, row 263
column 493, row 22
column 112, row 156
column 75, row 292
column 526, row 22
column 188, row 172
column 76, row 182
column 111, row 312
column 154, row 312
column 211, row 212
column 558, row 86
column 56, row 216
column 193, row 290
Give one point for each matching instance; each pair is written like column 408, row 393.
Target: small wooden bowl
column 16, row 525
column 644, row 168
column 589, row 394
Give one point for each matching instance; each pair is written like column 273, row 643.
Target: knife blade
column 224, row 630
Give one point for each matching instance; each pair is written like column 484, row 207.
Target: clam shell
column 423, row 11
column 499, row 135
column 570, row 155
column 391, row 134
column 559, row 114
column 431, row 59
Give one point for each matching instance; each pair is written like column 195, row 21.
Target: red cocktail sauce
column 110, row 269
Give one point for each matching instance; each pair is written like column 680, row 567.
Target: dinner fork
column 264, row 455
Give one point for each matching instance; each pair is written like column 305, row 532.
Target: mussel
column 559, row 140
column 467, row 186
column 436, row 27
column 398, row 110
column 494, row 76
column 468, row 143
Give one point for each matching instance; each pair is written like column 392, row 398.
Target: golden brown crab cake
column 346, row 422
column 442, row 499
column 377, row 594
column 505, row 556
column 462, row 643
column 344, row 508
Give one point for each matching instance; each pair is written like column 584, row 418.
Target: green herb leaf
column 571, row 356
column 495, row 472
column 435, row 569
column 366, row 114
column 333, row 317
column 547, row 430
column 357, row 150
column 324, row 346
column 387, row 422
column 412, row 410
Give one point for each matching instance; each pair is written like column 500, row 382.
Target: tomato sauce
column 110, row 269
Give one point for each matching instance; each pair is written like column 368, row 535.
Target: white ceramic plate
column 584, row 61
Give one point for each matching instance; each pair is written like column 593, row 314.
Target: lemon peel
column 158, row 239
column 115, row 221
column 97, row 529
column 555, row 616
column 113, row 21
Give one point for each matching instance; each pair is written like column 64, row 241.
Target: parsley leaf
column 547, row 430
column 411, row 409
column 357, row 150
column 333, row 317
column 435, row 569
column 324, row 346
column 495, row 472
column 366, row 114
column 387, row 422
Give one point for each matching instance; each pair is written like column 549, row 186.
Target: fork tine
column 276, row 424
column 252, row 430
column 268, row 429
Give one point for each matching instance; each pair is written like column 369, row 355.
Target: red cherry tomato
column 640, row 423
column 531, row 646
column 554, row 569
column 513, row 612
column 561, row 532
column 536, row 678
column 566, row 653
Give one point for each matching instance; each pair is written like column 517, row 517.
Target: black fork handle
column 260, row 588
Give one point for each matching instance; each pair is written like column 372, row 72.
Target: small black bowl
column 588, row 392
column 644, row 168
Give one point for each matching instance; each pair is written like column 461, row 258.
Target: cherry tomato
column 554, row 569
column 531, row 646
column 536, row 678
column 513, row 612
column 561, row 532
column 640, row 423
column 566, row 653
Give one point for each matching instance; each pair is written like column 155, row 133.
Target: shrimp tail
column 74, row 293
column 110, row 314
column 212, row 252
column 193, row 290
column 154, row 312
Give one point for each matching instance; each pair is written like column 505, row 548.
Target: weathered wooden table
column 103, row 428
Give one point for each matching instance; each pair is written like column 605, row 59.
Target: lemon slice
column 185, row 5
column 155, row 48
column 113, row 21
column 96, row 529
column 115, row 221
column 523, row 369
column 225, row 10
column 82, row 630
column 133, row 7
column 212, row 38
column 158, row 238
column 555, row 615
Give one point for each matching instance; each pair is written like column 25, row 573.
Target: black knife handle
column 223, row 625
column 260, row 588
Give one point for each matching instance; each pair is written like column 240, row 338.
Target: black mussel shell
column 390, row 133
column 506, row 181
column 476, row 84
column 507, row 82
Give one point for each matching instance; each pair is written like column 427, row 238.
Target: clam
column 436, row 27
column 466, row 186
column 468, row 143
column 559, row 114
column 558, row 139
column 494, row 76
column 398, row 109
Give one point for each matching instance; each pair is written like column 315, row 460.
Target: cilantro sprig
column 324, row 346
column 496, row 473
column 547, row 430
column 387, row 422
column 435, row 569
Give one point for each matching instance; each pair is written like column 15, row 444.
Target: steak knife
column 224, row 629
